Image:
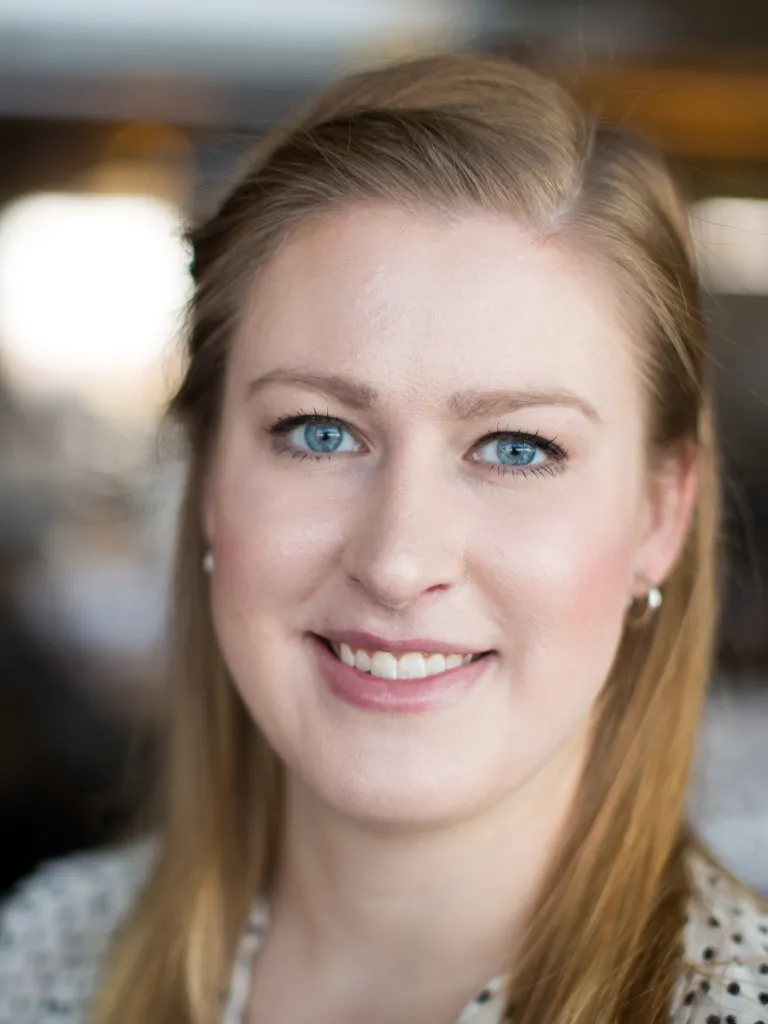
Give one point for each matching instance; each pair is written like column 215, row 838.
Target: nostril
column 436, row 588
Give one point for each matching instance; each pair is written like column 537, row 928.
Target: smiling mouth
column 409, row 665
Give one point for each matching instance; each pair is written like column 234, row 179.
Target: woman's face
column 460, row 468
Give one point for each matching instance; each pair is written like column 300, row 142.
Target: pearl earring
column 208, row 562
column 653, row 601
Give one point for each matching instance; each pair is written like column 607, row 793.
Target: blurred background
column 119, row 121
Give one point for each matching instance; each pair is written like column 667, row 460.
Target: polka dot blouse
column 56, row 928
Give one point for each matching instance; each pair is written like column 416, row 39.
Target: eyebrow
column 463, row 405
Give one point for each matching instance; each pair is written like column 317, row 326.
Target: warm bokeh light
column 731, row 236
column 92, row 288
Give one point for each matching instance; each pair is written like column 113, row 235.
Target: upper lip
column 357, row 639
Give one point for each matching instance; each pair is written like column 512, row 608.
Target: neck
column 385, row 906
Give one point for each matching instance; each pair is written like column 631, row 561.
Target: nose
column 407, row 539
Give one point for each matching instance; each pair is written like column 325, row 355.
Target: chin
column 427, row 796
column 395, row 811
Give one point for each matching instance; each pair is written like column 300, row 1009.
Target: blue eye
column 315, row 435
column 321, row 437
column 512, row 451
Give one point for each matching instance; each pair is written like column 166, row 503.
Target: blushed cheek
column 563, row 588
column 272, row 546
column 591, row 606
column 599, row 594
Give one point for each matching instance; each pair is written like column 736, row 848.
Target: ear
column 671, row 496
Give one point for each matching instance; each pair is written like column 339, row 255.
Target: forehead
column 419, row 302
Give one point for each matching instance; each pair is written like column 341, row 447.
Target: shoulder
column 726, row 945
column 55, row 928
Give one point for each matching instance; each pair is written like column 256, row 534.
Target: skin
column 416, row 843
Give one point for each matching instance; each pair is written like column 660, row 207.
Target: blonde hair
column 454, row 132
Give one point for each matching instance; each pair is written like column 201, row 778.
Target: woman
column 445, row 597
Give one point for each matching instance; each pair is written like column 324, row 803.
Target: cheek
column 274, row 542
column 273, row 548
column 594, row 559
column 563, row 583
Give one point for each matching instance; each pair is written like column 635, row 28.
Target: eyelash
column 556, row 452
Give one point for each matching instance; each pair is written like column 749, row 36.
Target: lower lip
column 400, row 696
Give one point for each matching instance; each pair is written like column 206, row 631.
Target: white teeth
column 435, row 664
column 413, row 665
column 384, row 665
column 363, row 661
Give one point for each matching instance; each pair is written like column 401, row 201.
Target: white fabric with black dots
column 57, row 926
column 726, row 941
